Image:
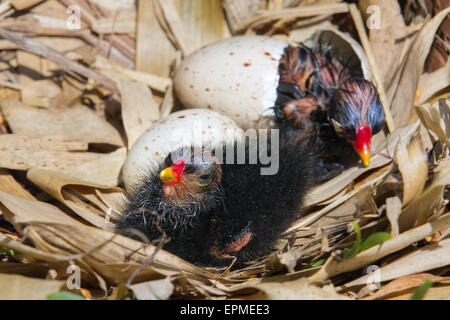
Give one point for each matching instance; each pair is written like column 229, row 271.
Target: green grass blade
column 421, row 290
column 64, row 295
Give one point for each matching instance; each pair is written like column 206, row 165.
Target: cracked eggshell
column 192, row 127
column 237, row 76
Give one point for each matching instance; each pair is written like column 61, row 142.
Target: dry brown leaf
column 432, row 83
column 383, row 38
column 76, row 124
column 239, row 11
column 15, row 287
column 401, row 284
column 22, row 159
column 435, row 293
column 66, row 64
column 42, row 93
column 334, row 267
column 58, row 237
column 301, row 289
column 154, row 51
column 153, row 81
column 203, row 21
column 393, row 211
column 405, row 92
column 153, row 290
column 24, row 4
column 413, row 164
column 430, row 116
column 102, row 173
column 139, row 109
column 21, row 210
column 49, row 143
column 9, row 185
column 122, row 23
column 429, row 201
column 424, row 259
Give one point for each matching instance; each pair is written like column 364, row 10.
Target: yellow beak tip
column 167, row 175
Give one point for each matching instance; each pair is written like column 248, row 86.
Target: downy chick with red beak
column 325, row 98
column 356, row 114
column 214, row 211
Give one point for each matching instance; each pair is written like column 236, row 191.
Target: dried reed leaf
column 301, row 289
column 154, row 51
column 423, row 259
column 383, row 38
column 22, row 159
column 43, row 93
column 405, row 91
column 334, row 267
column 102, row 173
column 50, row 143
column 153, row 290
column 16, row 287
column 24, row 4
column 9, row 185
column 430, row 116
column 432, row 83
column 122, row 23
column 75, row 124
column 429, row 201
column 265, row 16
column 23, row 210
column 139, row 109
column 153, row 81
column 203, row 21
column 72, row 67
column 404, row 283
column 393, row 211
column 413, row 164
column 239, row 11
column 53, row 232
column 435, row 293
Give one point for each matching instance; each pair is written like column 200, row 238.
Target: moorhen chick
column 215, row 207
column 320, row 94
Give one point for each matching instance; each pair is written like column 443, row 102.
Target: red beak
column 172, row 174
column 362, row 143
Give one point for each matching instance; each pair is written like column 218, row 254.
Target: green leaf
column 353, row 251
column 374, row 239
column 317, row 263
column 64, row 295
column 421, row 290
column 359, row 246
column 7, row 251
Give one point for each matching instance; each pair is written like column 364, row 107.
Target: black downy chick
column 325, row 98
column 215, row 212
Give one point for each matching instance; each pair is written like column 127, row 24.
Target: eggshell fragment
column 236, row 76
column 193, row 127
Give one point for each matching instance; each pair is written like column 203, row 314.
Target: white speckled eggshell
column 237, row 77
column 192, row 127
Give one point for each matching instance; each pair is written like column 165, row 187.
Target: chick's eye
column 203, row 180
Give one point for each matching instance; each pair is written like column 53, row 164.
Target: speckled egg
column 237, row 76
column 192, row 127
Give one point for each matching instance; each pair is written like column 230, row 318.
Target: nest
column 81, row 80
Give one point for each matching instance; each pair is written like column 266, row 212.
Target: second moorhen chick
column 321, row 95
